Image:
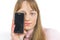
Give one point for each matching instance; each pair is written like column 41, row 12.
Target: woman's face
column 30, row 16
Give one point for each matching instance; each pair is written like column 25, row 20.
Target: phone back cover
column 19, row 22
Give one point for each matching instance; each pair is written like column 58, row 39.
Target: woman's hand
column 16, row 36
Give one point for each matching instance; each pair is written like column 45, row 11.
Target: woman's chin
column 27, row 28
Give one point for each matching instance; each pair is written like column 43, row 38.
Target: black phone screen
column 19, row 23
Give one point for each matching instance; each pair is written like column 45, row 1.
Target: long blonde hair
column 38, row 33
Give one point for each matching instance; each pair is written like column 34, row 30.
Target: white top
column 50, row 35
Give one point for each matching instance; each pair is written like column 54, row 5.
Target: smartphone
column 19, row 22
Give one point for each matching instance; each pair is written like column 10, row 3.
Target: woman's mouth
column 27, row 24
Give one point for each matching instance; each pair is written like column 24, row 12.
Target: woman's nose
column 26, row 17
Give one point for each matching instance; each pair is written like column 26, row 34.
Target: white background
column 49, row 10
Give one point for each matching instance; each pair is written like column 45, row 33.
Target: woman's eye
column 32, row 13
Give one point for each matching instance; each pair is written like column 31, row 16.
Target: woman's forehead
column 25, row 5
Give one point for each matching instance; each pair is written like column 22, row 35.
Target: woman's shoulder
column 52, row 34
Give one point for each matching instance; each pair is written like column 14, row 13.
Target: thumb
column 24, row 34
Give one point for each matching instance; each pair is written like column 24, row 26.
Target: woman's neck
column 29, row 32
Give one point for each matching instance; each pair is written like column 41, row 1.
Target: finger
column 13, row 26
column 25, row 31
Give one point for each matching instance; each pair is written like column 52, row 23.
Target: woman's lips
column 27, row 24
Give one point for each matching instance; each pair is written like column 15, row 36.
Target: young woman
column 32, row 22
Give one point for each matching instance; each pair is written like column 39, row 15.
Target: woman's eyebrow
column 32, row 10
column 21, row 11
